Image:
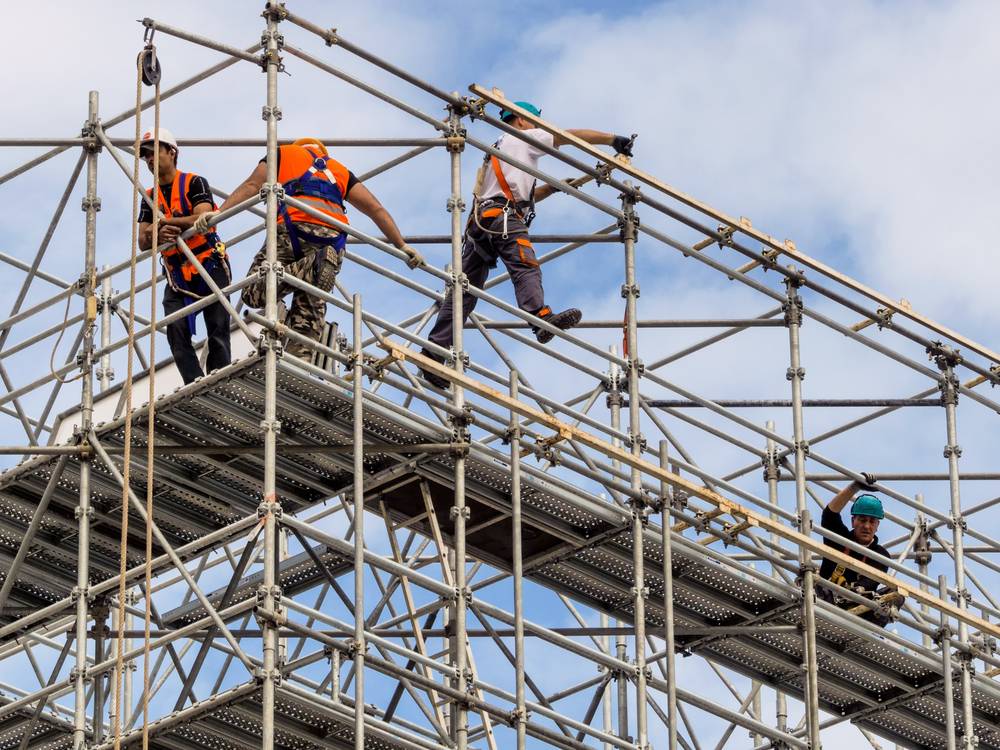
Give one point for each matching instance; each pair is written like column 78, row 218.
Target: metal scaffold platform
column 327, row 552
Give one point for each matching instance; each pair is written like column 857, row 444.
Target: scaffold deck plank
column 862, row 675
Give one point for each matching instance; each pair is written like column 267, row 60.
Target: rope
column 55, row 347
column 150, row 427
column 123, row 553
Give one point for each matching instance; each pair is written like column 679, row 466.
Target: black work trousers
column 484, row 245
column 179, row 333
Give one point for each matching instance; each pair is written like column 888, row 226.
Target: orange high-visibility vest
column 180, row 206
column 312, row 178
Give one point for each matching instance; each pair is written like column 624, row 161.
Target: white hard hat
column 166, row 137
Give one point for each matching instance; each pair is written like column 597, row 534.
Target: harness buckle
column 506, row 212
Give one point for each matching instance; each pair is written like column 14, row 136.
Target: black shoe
column 563, row 321
column 434, row 379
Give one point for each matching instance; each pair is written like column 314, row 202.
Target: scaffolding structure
column 345, row 557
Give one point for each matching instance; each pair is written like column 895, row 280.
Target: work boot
column 327, row 267
column 436, row 380
column 563, row 321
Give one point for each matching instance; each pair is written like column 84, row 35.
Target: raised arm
column 842, row 498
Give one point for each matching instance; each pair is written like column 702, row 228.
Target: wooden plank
column 724, row 504
column 789, row 249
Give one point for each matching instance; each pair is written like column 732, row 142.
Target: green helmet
column 505, row 114
column 867, row 505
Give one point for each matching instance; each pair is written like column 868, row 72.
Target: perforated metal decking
column 894, row 693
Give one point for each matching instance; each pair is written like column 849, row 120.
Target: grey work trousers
column 484, row 245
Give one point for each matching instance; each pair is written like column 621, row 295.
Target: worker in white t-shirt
column 503, row 207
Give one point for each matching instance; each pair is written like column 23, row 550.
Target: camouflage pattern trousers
column 307, row 313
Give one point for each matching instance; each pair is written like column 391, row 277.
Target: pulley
column 150, row 65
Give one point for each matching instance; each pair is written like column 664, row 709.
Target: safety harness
column 208, row 248
column 309, row 185
column 492, row 206
column 837, row 576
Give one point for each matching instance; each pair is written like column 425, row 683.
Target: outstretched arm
column 251, row 186
column 595, row 137
column 365, row 201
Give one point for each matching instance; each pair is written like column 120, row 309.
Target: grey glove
column 870, row 480
column 622, row 144
column 413, row 258
column 204, row 221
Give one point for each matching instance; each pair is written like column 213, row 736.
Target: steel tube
column 669, row 633
column 946, row 359
column 793, row 319
column 784, row 403
column 518, row 565
column 637, row 504
column 269, row 427
column 227, row 49
column 358, row 646
column 662, row 323
column 80, row 678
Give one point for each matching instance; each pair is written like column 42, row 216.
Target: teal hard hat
column 867, row 505
column 505, row 114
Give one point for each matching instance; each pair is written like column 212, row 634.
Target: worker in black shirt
column 182, row 197
column 866, row 513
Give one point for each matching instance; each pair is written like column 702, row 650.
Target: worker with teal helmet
column 503, row 205
column 866, row 514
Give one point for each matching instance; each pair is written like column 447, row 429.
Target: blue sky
column 863, row 131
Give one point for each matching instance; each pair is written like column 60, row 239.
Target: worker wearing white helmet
column 182, row 198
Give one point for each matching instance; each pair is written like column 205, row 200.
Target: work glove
column 622, row 144
column 870, row 480
column 413, row 258
column 204, row 221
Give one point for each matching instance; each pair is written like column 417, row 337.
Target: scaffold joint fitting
column 795, row 373
column 632, row 440
column 725, row 235
column 261, row 675
column 793, row 309
column 270, row 425
column 628, row 227
column 266, row 113
column 269, row 507
column 455, row 143
column 944, row 356
column 90, row 203
column 76, row 673
column 952, row 450
column 803, row 445
column 455, row 204
column 78, row 512
column 630, row 290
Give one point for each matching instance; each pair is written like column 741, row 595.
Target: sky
column 864, row 131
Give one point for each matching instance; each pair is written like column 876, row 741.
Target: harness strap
column 838, row 572
column 501, row 180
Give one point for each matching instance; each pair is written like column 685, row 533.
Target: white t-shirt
column 520, row 182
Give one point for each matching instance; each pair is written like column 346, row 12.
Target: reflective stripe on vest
column 314, row 179
column 180, row 206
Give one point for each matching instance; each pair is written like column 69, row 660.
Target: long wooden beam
column 787, row 248
column 736, row 510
